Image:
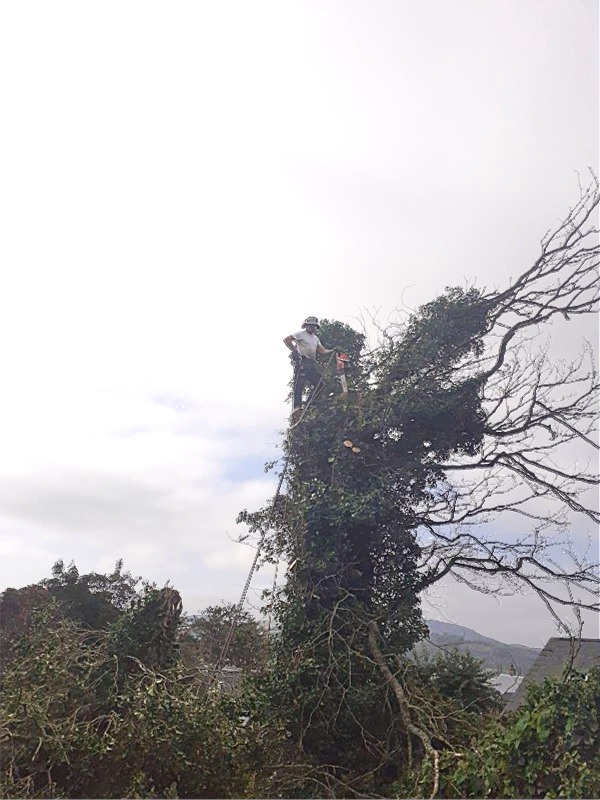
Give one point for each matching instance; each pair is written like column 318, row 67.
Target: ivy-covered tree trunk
column 357, row 465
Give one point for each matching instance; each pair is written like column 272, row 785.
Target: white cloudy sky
column 182, row 183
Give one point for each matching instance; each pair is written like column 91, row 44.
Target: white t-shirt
column 307, row 343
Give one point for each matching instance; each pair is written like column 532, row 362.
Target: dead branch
column 403, row 705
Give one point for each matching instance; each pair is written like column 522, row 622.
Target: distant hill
column 496, row 656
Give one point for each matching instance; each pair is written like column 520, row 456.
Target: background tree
column 548, row 748
column 94, row 598
column 458, row 676
column 204, row 636
column 82, row 715
column 17, row 607
column 148, row 632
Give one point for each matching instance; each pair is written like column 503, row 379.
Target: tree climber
column 305, row 345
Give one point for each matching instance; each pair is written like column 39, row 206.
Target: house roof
column 552, row 661
column 506, row 684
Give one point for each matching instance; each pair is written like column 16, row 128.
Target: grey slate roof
column 552, row 661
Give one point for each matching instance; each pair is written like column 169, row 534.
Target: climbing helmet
column 311, row 321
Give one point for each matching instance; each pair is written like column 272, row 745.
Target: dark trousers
column 306, row 372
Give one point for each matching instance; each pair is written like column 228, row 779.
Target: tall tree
column 374, row 512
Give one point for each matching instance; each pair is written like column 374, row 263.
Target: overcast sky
column 182, row 183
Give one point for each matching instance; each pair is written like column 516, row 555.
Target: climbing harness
column 341, row 359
